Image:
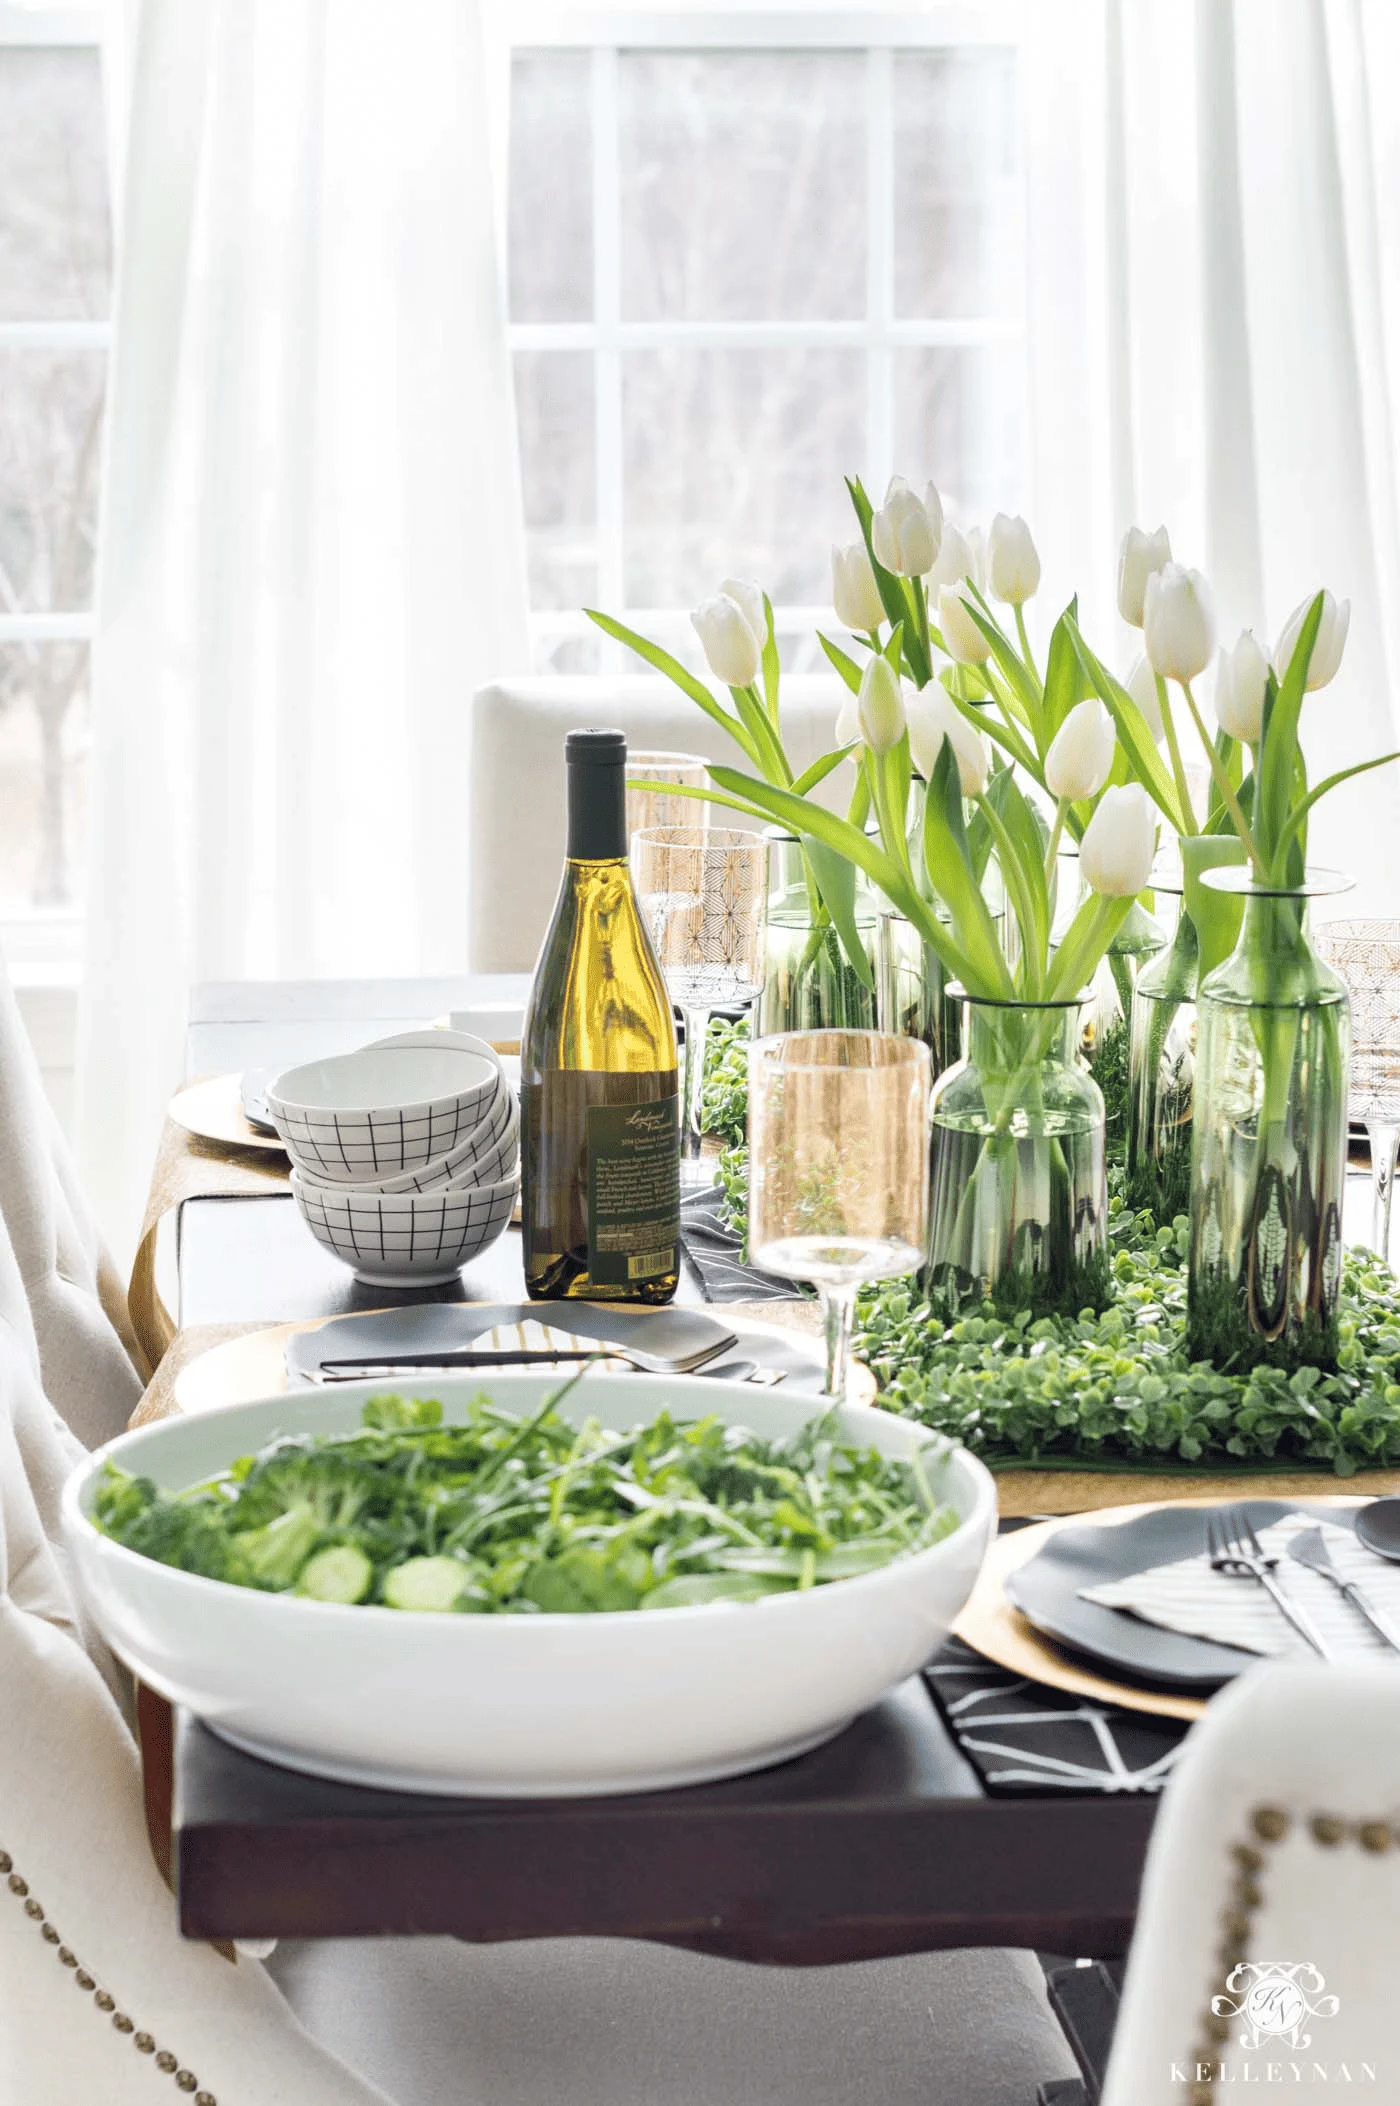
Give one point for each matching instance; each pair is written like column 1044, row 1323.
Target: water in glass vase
column 1017, row 1216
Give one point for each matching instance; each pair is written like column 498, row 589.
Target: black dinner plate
column 1046, row 1591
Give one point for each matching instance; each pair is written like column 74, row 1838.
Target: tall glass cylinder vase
column 1268, row 1160
column 809, row 983
column 1019, row 1202
column 912, row 991
column 1162, row 1028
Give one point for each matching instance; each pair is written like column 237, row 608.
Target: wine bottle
column 600, row 1168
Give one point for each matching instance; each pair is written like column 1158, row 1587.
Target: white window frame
column 607, row 31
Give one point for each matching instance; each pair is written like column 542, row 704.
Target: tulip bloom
column 854, row 593
column 933, row 717
column 1241, row 678
column 1081, row 752
column 1120, row 841
column 954, row 562
column 848, row 721
column 904, row 535
column 1139, row 557
column 881, row 705
column 1178, row 622
column 1331, row 640
column 727, row 639
column 962, row 638
column 748, row 598
column 1141, row 684
column 1013, row 567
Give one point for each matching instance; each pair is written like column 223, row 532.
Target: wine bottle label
column 634, row 1194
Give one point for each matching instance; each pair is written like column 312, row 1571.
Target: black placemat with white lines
column 714, row 1252
column 1022, row 1738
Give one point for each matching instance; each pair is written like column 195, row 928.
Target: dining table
column 895, row 1836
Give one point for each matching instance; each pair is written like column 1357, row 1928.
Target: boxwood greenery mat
column 1116, row 1391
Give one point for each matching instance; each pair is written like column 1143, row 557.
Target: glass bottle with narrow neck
column 600, row 1177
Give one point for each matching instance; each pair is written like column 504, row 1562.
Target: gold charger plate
column 992, row 1627
column 213, row 1111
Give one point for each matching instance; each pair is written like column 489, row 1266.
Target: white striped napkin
column 1190, row 1597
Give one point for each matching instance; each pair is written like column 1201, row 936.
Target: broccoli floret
column 398, row 1414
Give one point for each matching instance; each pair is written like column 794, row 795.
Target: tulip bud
column 1178, row 622
column 848, row 720
column 1140, row 555
column 904, row 537
column 1331, row 640
column 854, row 593
column 933, row 505
column 1081, row 752
column 748, row 598
column 1120, row 841
column 1141, row 684
column 728, row 640
column 977, row 551
column 954, row 562
column 934, row 717
column 881, row 706
column 1240, row 679
column 1013, row 567
column 962, row 639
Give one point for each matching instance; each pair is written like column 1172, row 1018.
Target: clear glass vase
column 1270, row 1143
column 1162, row 1029
column 809, row 983
column 1019, row 1200
column 912, row 991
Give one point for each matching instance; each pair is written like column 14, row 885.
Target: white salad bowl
column 388, row 1108
column 485, row 1156
column 523, row 1705
column 406, row 1239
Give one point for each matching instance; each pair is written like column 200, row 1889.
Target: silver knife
column 1310, row 1549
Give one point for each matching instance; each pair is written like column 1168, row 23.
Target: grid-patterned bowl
column 487, row 1154
column 406, row 1239
column 384, row 1110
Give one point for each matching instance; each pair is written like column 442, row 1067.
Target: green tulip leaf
column 820, row 769
column 836, row 881
column 1131, row 725
column 1066, row 682
column 948, row 858
column 770, row 666
column 1278, row 745
column 848, row 669
column 684, row 679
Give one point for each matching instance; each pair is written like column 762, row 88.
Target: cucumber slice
column 341, row 1573
column 426, row 1583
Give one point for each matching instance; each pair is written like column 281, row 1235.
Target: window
column 748, row 256
column 55, row 291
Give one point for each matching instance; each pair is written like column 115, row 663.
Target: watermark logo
column 1277, row 1999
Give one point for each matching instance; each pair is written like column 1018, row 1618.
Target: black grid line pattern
column 350, row 1144
column 407, row 1231
column 1022, row 1737
column 486, row 1156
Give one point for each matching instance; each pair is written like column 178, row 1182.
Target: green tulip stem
column 1061, row 807
column 1026, row 652
column 921, row 614
column 1226, row 787
column 1173, row 747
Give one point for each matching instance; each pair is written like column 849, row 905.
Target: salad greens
column 504, row 1514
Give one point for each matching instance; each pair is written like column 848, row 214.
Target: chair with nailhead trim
column 1268, row 1942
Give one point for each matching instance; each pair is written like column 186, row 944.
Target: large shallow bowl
column 406, row 1239
column 517, row 1706
column 385, row 1109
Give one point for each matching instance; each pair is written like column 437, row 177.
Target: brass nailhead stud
column 1270, row 1823
column 1248, row 1895
column 145, row 2043
column 185, row 2079
column 32, row 1908
column 166, row 2061
column 6, row 1861
column 18, row 1885
column 1375, row 1836
column 69, row 1959
column 122, row 2023
column 103, row 2001
column 84, row 1980
column 1328, row 1830
column 1248, row 1860
column 48, row 1933
column 205, row 2098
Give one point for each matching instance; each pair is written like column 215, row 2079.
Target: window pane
column 55, row 245
column 50, row 442
column 960, row 420
column 956, row 183
column 43, row 770
column 732, row 464
column 554, row 408
column 743, row 185
column 551, row 188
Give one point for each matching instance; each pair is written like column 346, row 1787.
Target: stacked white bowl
column 405, row 1155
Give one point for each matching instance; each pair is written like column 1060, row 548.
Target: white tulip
column 977, row 550
column 1013, row 567
column 1081, row 752
column 904, row 537
column 1141, row 684
column 848, row 720
column 1138, row 558
column 1178, row 622
column 954, row 561
column 748, row 598
column 962, row 639
column 1331, row 640
column 881, row 706
column 854, row 593
column 933, row 505
column 1240, row 680
column 727, row 638
column 933, row 717
column 1120, row 841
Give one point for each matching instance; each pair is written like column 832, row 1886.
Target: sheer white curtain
column 312, row 545
column 1214, row 205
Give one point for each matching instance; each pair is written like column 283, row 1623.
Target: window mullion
column 879, row 296
column 607, row 314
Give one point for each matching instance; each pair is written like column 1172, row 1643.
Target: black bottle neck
column 597, row 803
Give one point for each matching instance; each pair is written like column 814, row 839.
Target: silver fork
column 1236, row 1551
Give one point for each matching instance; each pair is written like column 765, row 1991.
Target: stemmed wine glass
column 1367, row 955
column 838, row 1167
column 650, row 808
column 703, row 894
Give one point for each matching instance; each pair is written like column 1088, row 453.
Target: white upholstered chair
column 517, row 786
column 1278, row 1851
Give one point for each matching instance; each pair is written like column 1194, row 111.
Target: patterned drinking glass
column 652, row 808
column 1367, row 956
column 838, row 1166
column 703, row 895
